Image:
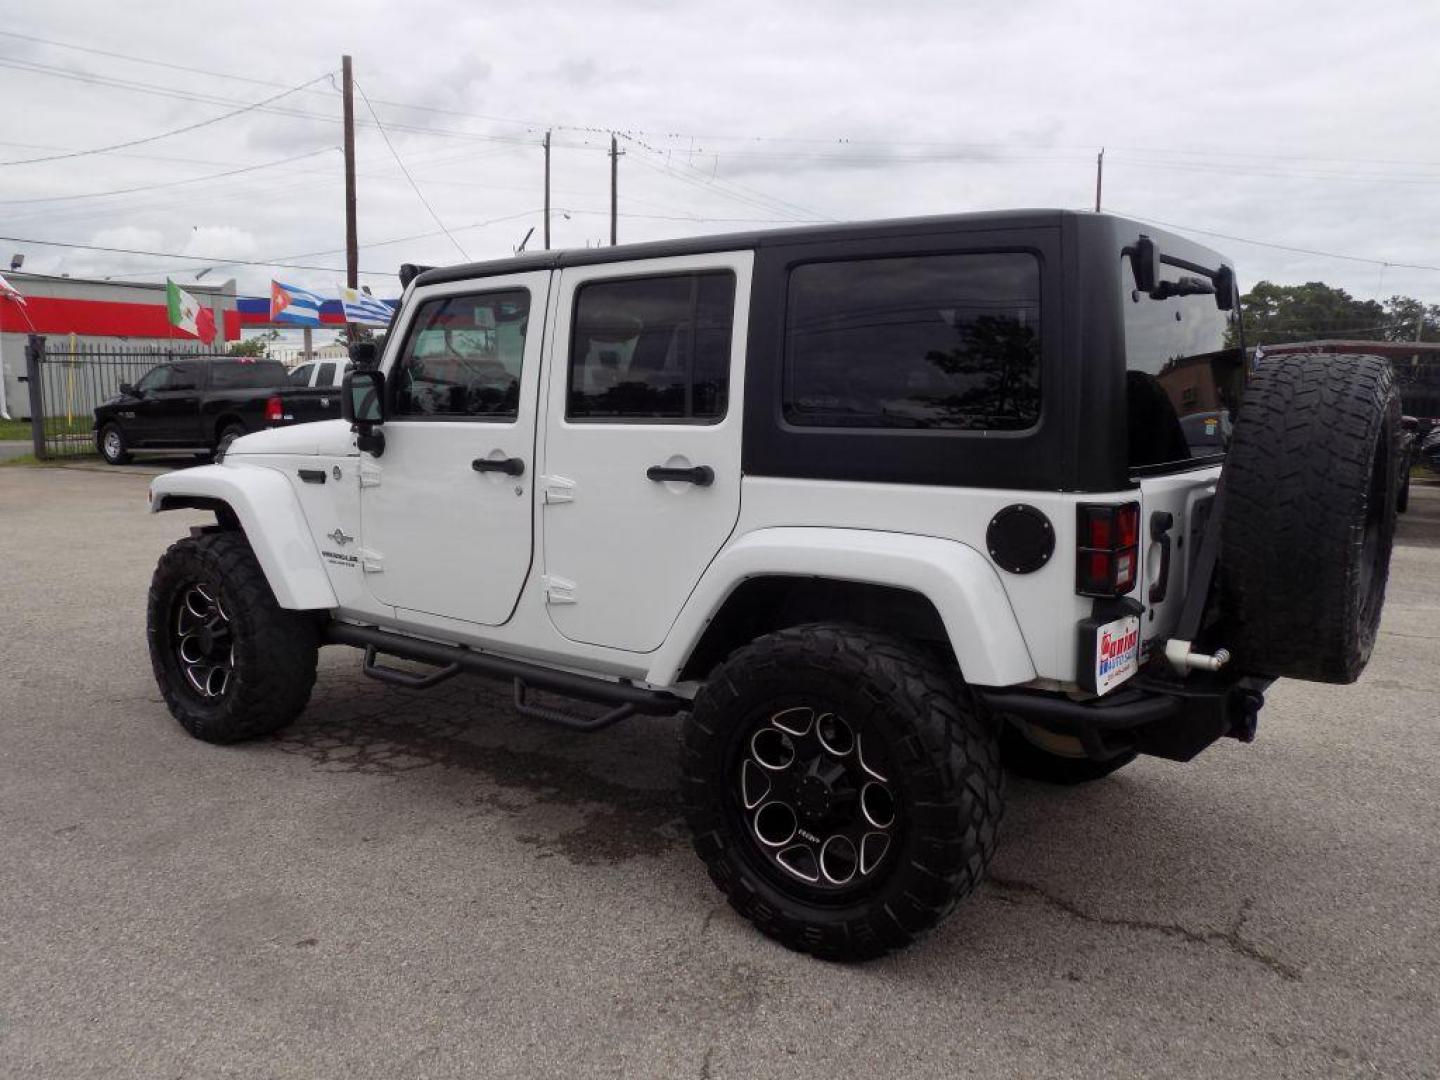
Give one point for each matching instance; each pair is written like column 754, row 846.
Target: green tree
column 257, row 346
column 1279, row 314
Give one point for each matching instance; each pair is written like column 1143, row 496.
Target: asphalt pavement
column 428, row 885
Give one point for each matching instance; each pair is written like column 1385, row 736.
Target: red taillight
column 274, row 410
column 1107, row 556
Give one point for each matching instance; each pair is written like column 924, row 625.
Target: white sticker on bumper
column 1117, row 653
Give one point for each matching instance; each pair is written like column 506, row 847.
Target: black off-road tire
column 946, row 773
column 228, row 434
column 273, row 650
column 112, row 445
column 1309, row 515
column 1023, row 758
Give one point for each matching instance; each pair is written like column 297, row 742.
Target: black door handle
column 510, row 466
column 700, row 475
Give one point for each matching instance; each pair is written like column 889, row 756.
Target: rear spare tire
column 1309, row 515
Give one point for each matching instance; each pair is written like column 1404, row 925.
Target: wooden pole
column 352, row 245
column 614, row 159
column 547, row 191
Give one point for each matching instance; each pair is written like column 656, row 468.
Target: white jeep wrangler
column 877, row 508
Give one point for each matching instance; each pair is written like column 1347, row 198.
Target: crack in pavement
column 1230, row 938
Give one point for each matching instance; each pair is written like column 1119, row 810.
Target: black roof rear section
column 739, row 241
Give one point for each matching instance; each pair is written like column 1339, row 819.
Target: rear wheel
column 231, row 663
column 228, row 434
column 113, row 447
column 841, row 792
column 1309, row 521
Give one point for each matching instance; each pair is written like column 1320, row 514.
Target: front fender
column 270, row 514
column 957, row 579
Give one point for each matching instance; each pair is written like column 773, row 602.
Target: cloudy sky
column 1307, row 125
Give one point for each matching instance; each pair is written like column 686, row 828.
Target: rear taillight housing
column 1107, row 549
column 274, row 410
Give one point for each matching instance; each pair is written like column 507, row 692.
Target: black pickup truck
column 201, row 403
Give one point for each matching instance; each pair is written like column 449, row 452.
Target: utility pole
column 352, row 246
column 547, row 191
column 1099, row 176
column 614, row 161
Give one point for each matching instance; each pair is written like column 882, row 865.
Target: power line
column 214, row 260
column 1281, row 247
column 418, row 193
column 165, row 134
column 169, row 183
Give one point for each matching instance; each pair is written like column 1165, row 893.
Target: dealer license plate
column 1117, row 652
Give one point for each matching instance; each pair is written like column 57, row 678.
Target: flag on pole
column 188, row 314
column 292, row 304
column 9, row 291
column 364, row 309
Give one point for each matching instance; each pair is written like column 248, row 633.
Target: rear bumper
column 1151, row 715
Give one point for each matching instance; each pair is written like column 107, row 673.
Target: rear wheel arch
column 770, row 603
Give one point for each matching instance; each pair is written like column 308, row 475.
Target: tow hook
column 1180, row 657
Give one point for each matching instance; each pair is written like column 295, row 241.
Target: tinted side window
column 327, row 374
column 184, row 376
column 932, row 341
column 157, row 378
column 301, row 375
column 655, row 348
column 247, row 375
column 462, row 357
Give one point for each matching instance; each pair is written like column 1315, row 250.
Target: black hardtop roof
column 738, row 241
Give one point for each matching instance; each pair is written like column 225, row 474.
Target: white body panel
column 269, row 511
column 621, row 551
column 961, row 583
column 440, row 538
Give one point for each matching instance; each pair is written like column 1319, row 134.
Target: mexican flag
column 188, row 314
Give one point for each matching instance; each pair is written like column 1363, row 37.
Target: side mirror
column 128, row 390
column 1145, row 264
column 362, row 403
column 363, row 354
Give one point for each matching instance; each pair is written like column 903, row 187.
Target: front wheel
column 112, row 445
column 841, row 792
column 231, row 663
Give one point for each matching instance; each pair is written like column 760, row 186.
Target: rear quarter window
column 946, row 341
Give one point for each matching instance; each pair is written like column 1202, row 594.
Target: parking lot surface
column 426, row 884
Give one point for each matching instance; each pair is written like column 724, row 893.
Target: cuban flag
column 294, row 305
column 365, row 309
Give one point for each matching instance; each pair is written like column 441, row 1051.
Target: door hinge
column 558, row 489
column 369, row 474
column 372, row 562
column 558, row 590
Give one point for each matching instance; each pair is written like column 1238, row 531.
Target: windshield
column 1183, row 372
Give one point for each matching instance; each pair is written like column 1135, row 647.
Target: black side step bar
column 451, row 660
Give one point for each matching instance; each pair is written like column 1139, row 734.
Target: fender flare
column 954, row 577
column 269, row 513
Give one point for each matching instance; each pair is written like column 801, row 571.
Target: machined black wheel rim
column 204, row 644
column 817, row 799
